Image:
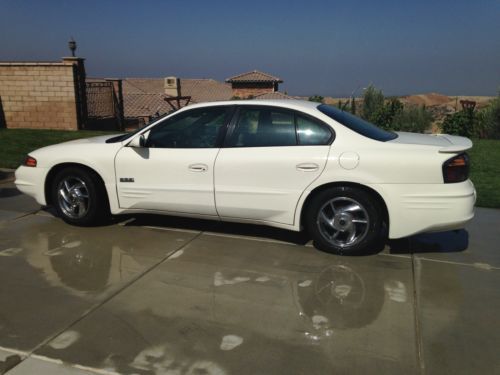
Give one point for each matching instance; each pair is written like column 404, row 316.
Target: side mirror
column 138, row 142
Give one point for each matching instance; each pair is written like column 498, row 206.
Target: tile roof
column 143, row 97
column 205, row 90
column 143, row 86
column 144, row 105
column 254, row 76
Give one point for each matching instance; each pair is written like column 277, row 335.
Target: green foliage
column 384, row 115
column 373, row 101
column 459, row 123
column 412, row 119
column 353, row 105
column 488, row 120
column 391, row 114
column 316, row 98
column 484, row 123
column 485, row 159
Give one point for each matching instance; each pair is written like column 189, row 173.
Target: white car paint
column 264, row 184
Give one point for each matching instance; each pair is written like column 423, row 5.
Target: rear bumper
column 420, row 208
column 31, row 181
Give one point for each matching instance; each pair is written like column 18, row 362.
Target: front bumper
column 31, row 181
column 420, row 208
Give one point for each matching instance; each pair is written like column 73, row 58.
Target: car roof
column 283, row 103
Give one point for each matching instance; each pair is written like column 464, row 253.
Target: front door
column 268, row 160
column 174, row 171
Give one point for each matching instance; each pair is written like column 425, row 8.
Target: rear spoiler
column 457, row 144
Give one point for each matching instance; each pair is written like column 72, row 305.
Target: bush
column 478, row 124
column 488, row 120
column 458, row 123
column 391, row 114
column 373, row 101
column 316, row 98
column 412, row 119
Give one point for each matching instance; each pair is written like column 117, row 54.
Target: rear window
column 357, row 124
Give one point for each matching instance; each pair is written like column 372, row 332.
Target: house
column 253, row 84
column 146, row 98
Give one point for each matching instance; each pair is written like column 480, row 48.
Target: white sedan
column 289, row 164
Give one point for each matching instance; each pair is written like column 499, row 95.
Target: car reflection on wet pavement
column 154, row 295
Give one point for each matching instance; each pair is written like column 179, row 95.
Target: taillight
column 456, row 169
column 29, row 161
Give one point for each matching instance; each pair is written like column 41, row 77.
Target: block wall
column 38, row 95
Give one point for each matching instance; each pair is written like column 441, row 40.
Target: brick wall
column 38, row 95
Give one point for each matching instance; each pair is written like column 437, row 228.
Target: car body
column 265, row 162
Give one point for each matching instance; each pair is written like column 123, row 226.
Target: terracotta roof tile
column 143, row 86
column 205, row 90
column 144, row 105
column 254, row 76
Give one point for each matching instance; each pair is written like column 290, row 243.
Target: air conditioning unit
column 172, row 86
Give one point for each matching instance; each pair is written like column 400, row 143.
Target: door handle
column 198, row 167
column 307, row 167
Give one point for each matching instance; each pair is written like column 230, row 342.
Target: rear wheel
column 345, row 220
column 79, row 197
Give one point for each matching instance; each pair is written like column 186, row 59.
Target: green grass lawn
column 485, row 171
column 485, row 156
column 16, row 143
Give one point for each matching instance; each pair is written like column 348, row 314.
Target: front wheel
column 345, row 220
column 79, row 197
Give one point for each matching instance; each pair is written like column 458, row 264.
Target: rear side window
column 311, row 132
column 357, row 124
column 263, row 127
column 269, row 126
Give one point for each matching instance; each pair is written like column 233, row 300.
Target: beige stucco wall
column 38, row 95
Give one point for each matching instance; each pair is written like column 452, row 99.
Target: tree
column 373, row 101
column 353, row 105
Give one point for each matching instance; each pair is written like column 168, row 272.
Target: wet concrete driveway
column 160, row 295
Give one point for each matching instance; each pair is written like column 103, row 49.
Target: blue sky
column 316, row 47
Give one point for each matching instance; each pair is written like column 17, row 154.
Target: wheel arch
column 375, row 194
column 58, row 167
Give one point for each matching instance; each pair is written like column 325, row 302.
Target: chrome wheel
column 73, row 197
column 343, row 221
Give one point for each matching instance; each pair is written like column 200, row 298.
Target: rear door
column 269, row 158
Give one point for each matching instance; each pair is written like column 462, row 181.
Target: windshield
column 357, row 124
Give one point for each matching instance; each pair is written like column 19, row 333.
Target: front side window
column 198, row 128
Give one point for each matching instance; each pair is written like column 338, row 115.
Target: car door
column 174, row 171
column 269, row 158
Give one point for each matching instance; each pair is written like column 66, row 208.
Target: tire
column 345, row 220
column 79, row 197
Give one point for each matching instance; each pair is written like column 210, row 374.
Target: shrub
column 373, row 101
column 316, row 98
column 412, row 119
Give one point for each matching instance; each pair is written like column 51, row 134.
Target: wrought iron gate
column 104, row 105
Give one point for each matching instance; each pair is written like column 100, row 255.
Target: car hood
column 444, row 142
column 98, row 139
